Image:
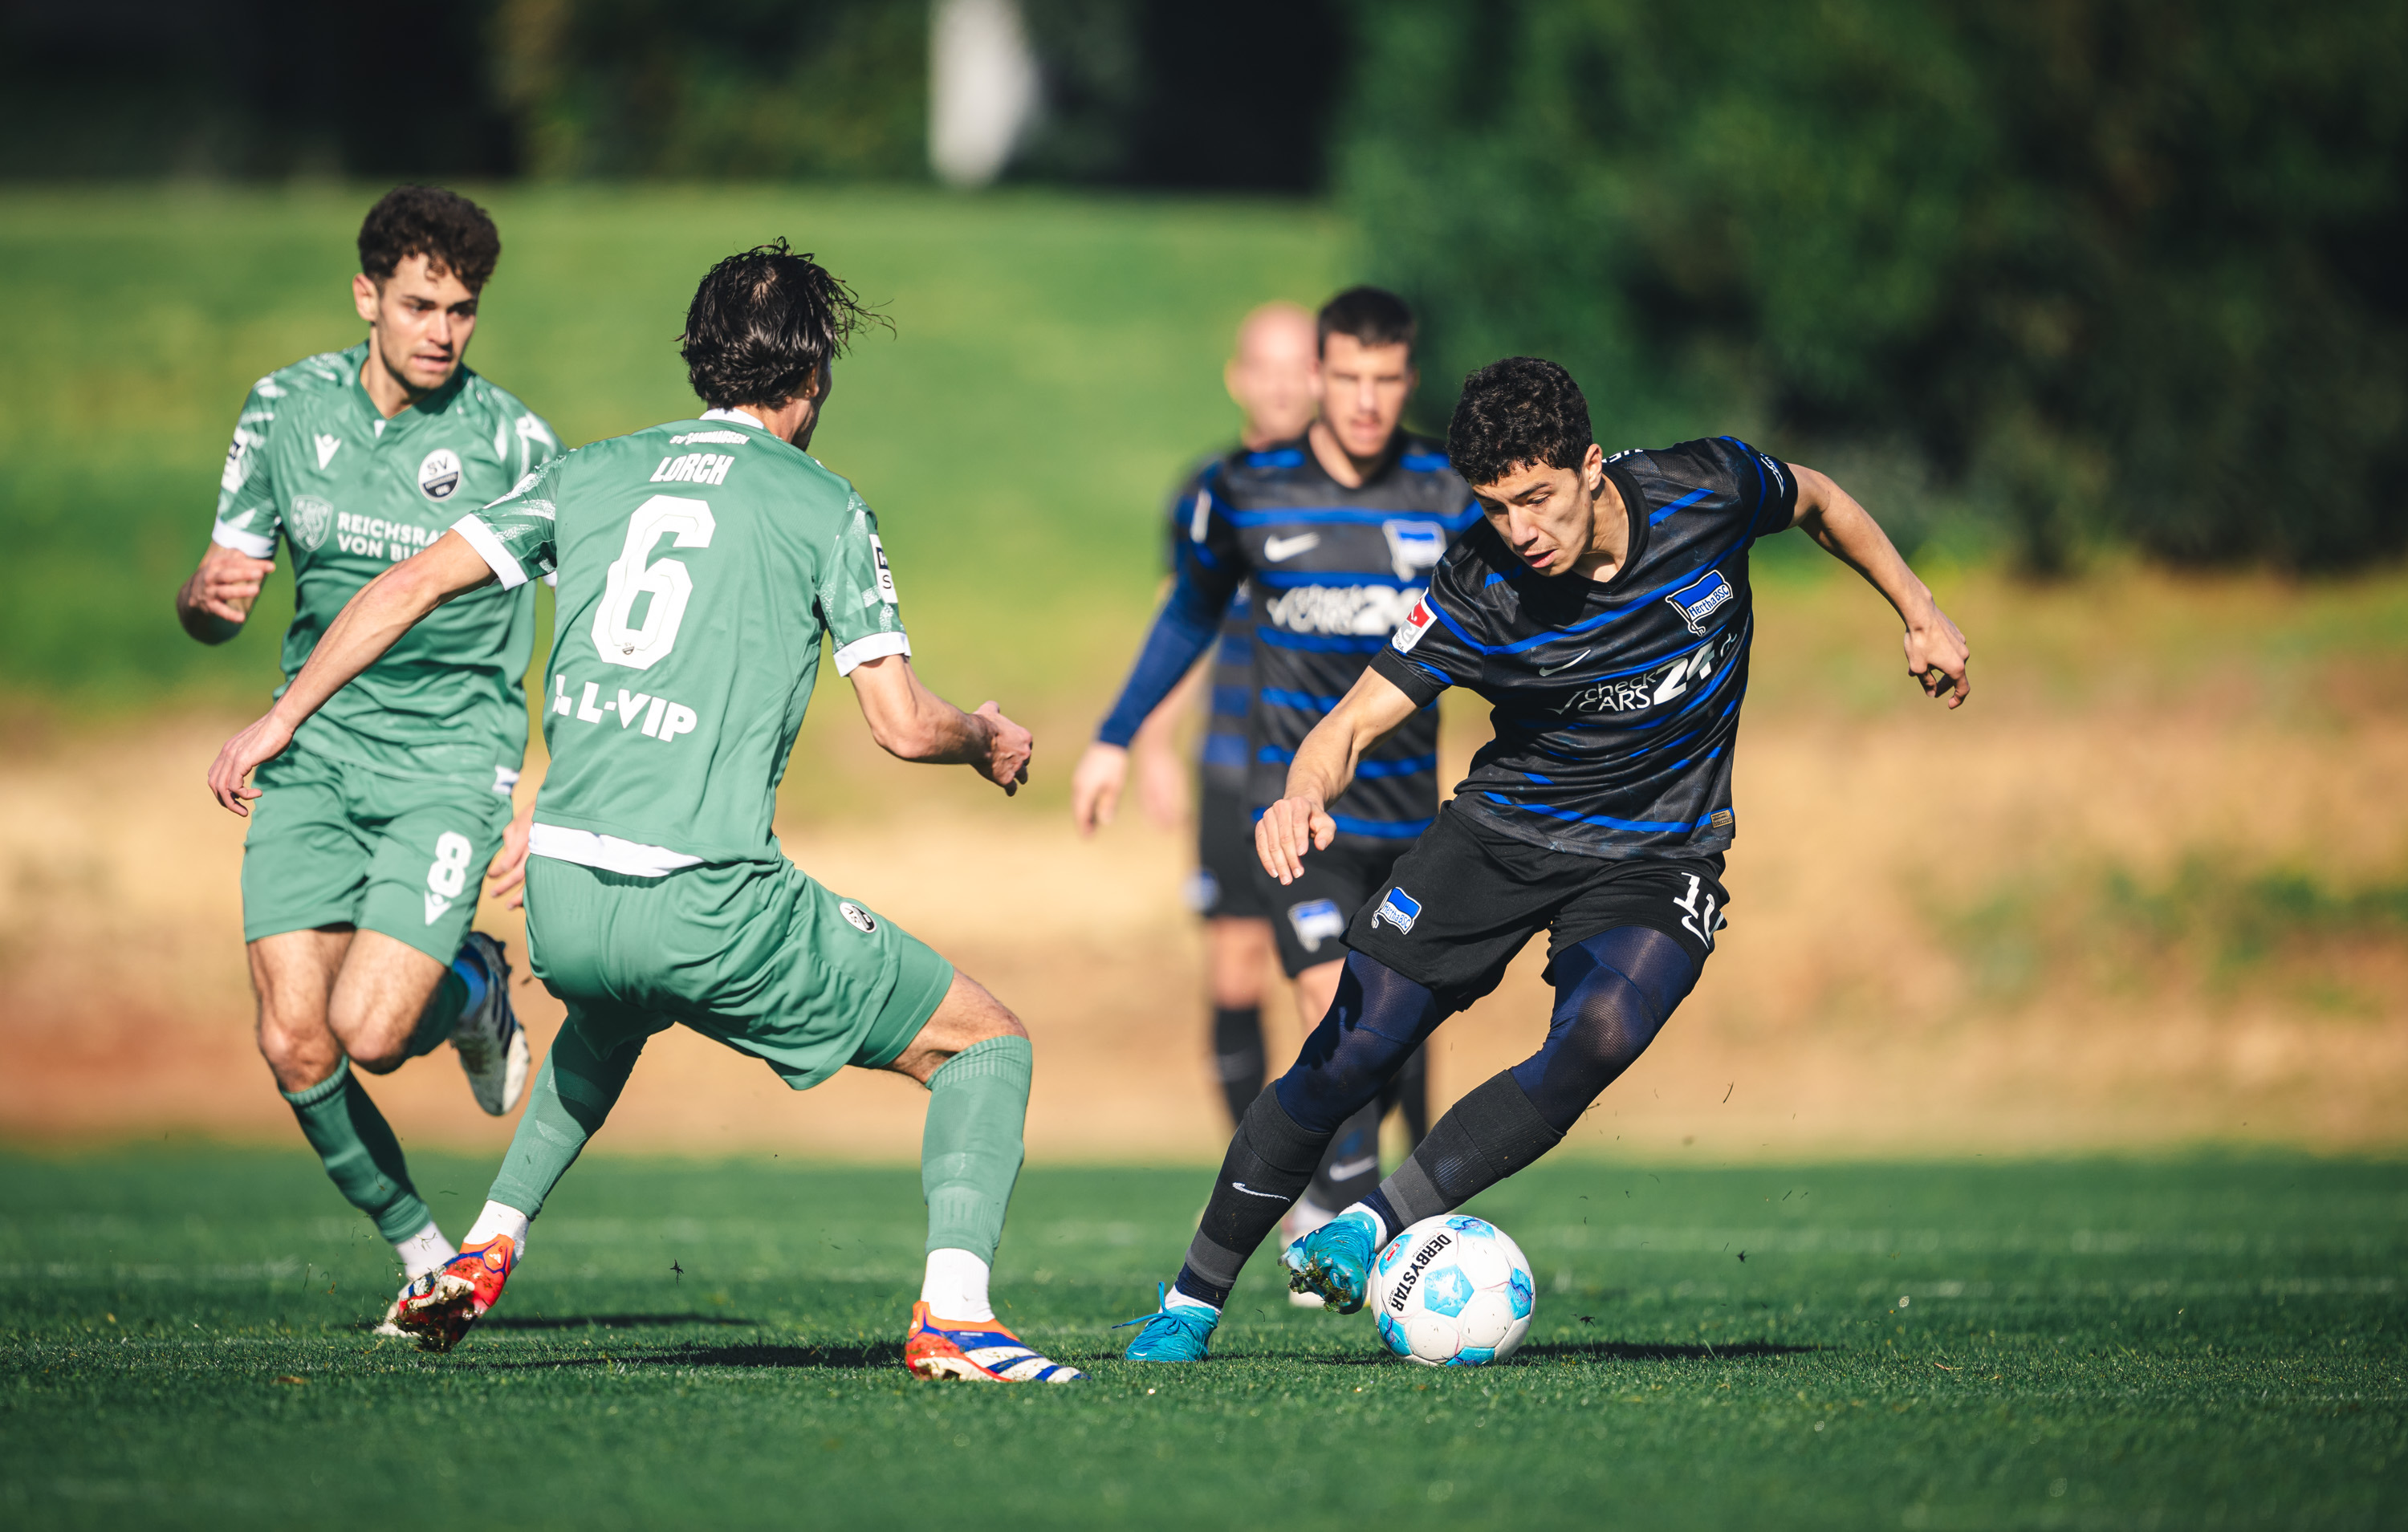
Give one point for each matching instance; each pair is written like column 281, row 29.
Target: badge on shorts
column 1399, row 909
column 1316, row 920
column 863, row 921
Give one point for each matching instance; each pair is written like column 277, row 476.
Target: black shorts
column 1456, row 908
column 1225, row 870
column 1309, row 916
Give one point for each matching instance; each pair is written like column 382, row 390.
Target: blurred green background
column 1055, row 358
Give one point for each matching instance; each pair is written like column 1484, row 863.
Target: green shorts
column 336, row 844
column 755, row 955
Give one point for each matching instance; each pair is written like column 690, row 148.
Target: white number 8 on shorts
column 450, row 873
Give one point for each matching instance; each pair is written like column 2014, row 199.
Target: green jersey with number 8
column 699, row 563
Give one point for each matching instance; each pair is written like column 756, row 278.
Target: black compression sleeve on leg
column 1270, row 1162
column 1488, row 1135
column 1351, row 1165
column 1238, row 1055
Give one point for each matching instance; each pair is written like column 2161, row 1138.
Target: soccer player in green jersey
column 359, row 871
column 699, row 563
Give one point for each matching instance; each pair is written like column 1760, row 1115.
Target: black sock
column 1351, row 1165
column 1238, row 1055
column 1485, row 1138
column 1270, row 1162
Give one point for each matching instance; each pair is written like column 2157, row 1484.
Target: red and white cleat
column 982, row 1351
column 438, row 1307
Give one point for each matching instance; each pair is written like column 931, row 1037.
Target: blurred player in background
column 1604, row 608
column 360, row 869
column 1336, row 531
column 1270, row 378
column 700, row 563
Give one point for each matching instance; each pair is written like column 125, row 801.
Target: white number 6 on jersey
column 614, row 637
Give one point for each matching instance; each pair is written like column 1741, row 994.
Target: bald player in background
column 1270, row 378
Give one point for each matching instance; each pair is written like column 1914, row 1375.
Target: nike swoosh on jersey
column 1551, row 670
column 1241, row 1186
column 1277, row 548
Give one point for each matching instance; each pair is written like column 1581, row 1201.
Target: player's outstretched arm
column 369, row 623
column 1937, row 654
column 1372, row 710
column 914, row 724
column 213, row 604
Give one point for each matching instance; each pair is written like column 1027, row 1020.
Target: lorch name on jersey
column 1618, row 703
column 692, row 605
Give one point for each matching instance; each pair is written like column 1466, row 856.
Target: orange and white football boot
column 980, row 1350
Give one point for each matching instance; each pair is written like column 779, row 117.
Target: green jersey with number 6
column 352, row 493
column 699, row 563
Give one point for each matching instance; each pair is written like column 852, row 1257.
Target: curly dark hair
column 1373, row 316
column 762, row 324
column 1514, row 414
column 452, row 233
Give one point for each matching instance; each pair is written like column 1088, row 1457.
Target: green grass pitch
column 2179, row 1344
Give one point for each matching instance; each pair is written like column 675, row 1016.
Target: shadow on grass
column 1626, row 1351
column 832, row 1358
column 610, row 1322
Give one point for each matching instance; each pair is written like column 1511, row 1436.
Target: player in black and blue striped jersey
column 1335, row 533
column 1270, row 376
column 1604, row 608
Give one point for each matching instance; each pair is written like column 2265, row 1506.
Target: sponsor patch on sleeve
column 1417, row 621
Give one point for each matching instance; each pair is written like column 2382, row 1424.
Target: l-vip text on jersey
column 658, row 717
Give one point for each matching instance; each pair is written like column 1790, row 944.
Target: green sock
column 441, row 1017
column 363, row 1157
column 971, row 1151
column 573, row 1093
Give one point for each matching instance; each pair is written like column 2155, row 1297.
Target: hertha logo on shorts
column 1316, row 920
column 1399, row 909
column 1699, row 599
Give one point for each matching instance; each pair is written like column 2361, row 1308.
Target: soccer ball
column 1451, row 1292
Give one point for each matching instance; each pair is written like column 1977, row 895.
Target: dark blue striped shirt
column 1616, row 703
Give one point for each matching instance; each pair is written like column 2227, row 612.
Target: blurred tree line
column 2101, row 269
column 2083, row 270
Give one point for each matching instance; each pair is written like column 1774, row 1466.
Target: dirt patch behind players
column 2146, row 890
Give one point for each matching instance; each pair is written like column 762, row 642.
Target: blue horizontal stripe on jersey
column 1234, row 649
column 1288, row 458
column 1682, row 504
column 1231, row 701
column 1412, row 766
column 1423, row 461
column 1543, row 781
column 1285, row 578
column 1225, row 750
column 1651, row 826
column 1323, row 643
column 1384, row 829
column 1349, row 516
column 1433, row 672
column 1280, row 697
column 1589, row 624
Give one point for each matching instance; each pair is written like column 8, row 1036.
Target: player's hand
column 231, row 772
column 1095, row 786
column 226, row 583
column 1286, row 831
column 1008, row 749
column 506, row 873
column 1161, row 784
column 1936, row 656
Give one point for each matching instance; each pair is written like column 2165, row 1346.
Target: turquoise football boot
column 1335, row 1260
column 1171, row 1335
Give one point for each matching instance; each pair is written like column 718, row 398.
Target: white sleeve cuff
column 243, row 541
column 877, row 646
column 479, row 537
